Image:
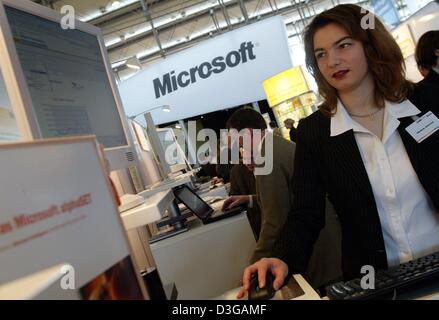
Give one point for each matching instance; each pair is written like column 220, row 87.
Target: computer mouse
column 265, row 293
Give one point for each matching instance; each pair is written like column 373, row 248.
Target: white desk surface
column 150, row 211
column 308, row 292
column 196, row 227
column 207, row 260
column 167, row 185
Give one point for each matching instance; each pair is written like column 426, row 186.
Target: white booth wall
column 412, row 29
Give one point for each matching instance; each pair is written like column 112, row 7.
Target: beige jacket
column 274, row 195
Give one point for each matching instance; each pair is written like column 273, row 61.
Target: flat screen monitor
column 66, row 78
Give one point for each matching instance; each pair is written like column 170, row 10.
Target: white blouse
column 408, row 219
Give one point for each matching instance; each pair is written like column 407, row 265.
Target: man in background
column 273, row 190
column 243, row 182
column 289, row 124
column 275, row 129
column 427, row 57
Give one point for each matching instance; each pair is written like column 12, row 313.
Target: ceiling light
column 134, row 63
column 166, row 108
column 426, row 18
column 118, row 64
column 115, row 4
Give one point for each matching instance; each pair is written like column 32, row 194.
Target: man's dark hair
column 246, row 118
column 425, row 49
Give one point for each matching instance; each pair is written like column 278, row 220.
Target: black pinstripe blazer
column 333, row 166
column 431, row 79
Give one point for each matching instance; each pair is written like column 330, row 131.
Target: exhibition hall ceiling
column 142, row 31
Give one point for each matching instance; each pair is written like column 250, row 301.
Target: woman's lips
column 340, row 74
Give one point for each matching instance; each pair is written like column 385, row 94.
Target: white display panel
column 174, row 154
column 141, row 137
column 60, row 211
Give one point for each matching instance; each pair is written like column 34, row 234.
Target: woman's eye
column 320, row 55
column 345, row 45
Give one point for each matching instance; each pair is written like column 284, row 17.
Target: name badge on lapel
column 423, row 127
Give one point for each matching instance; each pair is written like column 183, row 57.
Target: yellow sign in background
column 284, row 86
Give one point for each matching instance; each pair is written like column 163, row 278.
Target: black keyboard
column 404, row 277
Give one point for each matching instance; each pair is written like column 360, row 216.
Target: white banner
column 219, row 73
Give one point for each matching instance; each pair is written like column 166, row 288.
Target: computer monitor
column 61, row 80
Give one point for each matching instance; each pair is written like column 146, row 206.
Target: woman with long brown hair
column 382, row 181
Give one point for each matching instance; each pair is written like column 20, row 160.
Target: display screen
column 193, row 202
column 67, row 79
